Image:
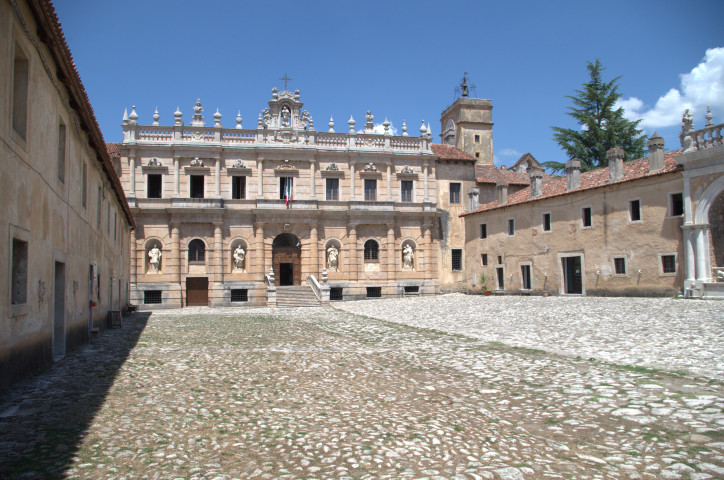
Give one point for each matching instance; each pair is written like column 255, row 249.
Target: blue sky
column 402, row 60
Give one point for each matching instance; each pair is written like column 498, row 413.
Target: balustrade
column 707, row 137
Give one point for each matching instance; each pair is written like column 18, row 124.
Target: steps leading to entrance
column 299, row 296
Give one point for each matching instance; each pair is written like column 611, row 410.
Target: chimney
column 656, row 153
column 502, row 192
column 615, row 164
column 573, row 172
column 473, row 196
column 536, row 183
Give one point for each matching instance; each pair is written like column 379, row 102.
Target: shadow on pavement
column 43, row 420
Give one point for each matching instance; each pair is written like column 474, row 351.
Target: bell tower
column 468, row 125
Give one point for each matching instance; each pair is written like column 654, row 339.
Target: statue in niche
column 239, row 255
column 154, row 261
column 408, row 258
column 286, row 116
column 332, row 258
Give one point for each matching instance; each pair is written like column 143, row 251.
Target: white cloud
column 380, row 129
column 701, row 87
column 509, row 152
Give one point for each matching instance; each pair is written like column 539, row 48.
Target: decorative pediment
column 407, row 172
column 332, row 170
column 154, row 166
column 332, row 167
column 286, row 166
column 370, row 170
column 197, row 162
column 153, row 162
column 370, row 167
column 239, row 167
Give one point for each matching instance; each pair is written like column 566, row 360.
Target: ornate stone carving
column 687, row 126
column 238, row 256
column 286, row 165
column 370, row 167
column 153, row 162
column 408, row 258
column 332, row 258
column 198, row 120
column 332, row 167
column 154, row 262
column 197, row 162
column 406, row 170
column 239, row 164
column 286, row 136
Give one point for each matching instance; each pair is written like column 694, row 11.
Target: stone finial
column 404, row 129
column 615, row 163
column 386, row 124
column 275, row 93
column 423, row 129
column 260, row 122
column 536, row 183
column 125, row 116
column 198, row 120
column 573, row 174
column 178, row 117
column 351, row 124
column 296, row 94
column 217, row 119
column 331, row 124
column 133, row 117
column 709, row 117
column 156, row 116
column 502, row 192
column 429, row 131
column 325, row 278
column 369, row 124
column 270, row 277
column 238, row 120
column 656, row 153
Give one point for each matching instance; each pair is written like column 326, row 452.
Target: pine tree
column 602, row 126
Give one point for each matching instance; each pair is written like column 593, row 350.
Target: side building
column 65, row 219
column 219, row 210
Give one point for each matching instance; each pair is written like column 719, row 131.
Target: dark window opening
column 370, row 190
column 197, row 186
column 457, row 259
column 677, row 204
column 61, row 152
column 635, row 210
column 286, row 188
column 454, row 193
column 197, row 251
column 484, row 259
column 525, row 277
column 477, row 138
column 238, row 188
column 546, row 222
column 152, row 296
column 500, row 259
column 239, row 294
column 153, row 183
column 668, row 263
column 619, row 265
column 19, row 276
column 483, row 230
column 586, row 217
column 372, row 251
column 20, row 93
column 410, row 290
column 511, row 226
column 374, row 292
column 332, row 189
column 336, row 294
column 406, row 190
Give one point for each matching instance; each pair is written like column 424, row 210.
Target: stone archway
column 287, row 260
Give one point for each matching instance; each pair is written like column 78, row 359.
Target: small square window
column 457, row 259
column 676, row 205
column 668, row 264
column 634, row 208
column 546, row 222
column 238, row 187
column 483, row 230
column 412, row 290
column 374, row 292
column 477, row 154
column 484, row 259
column 619, row 265
column 586, row 219
column 333, row 189
column 454, row 193
column 152, row 297
column 336, row 294
column 511, row 227
column 239, row 294
column 153, row 184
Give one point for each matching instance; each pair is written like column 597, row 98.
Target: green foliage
column 602, row 126
column 483, row 282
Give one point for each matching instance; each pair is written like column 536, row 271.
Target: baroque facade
column 65, row 219
column 227, row 215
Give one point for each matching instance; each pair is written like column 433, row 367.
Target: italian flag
column 288, row 194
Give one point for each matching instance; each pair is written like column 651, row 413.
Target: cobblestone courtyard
column 449, row 387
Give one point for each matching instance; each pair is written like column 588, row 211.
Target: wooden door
column 197, row 291
column 289, row 255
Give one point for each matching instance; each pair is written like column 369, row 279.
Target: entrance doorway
column 59, row 311
column 287, row 260
column 197, row 291
column 572, row 277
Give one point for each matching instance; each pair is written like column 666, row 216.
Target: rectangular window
column 374, row 292
column 412, row 290
column 336, row 294
column 511, row 227
column 546, row 222
column 19, row 278
column 153, row 185
column 668, row 263
column 333, row 189
column 676, row 205
column 239, row 294
column 454, row 193
column 152, row 296
column 586, row 220
column 525, row 277
column 20, row 93
column 238, row 187
column 406, row 190
column 457, row 259
column 634, row 208
column 61, row 152
column 477, row 138
column 286, row 188
column 484, row 259
column 370, row 190
column 196, row 186
column 100, row 206
column 84, row 185
column 500, row 259
column 619, row 265
column 483, row 230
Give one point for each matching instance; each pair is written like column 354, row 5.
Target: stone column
column 424, row 179
column 689, row 257
column 389, row 182
column 176, row 251
column 428, row 252
column 134, row 257
column 176, row 177
column 218, row 246
column 391, row 257
column 218, row 178
column 700, row 253
column 314, row 250
column 352, row 257
column 132, row 175
column 351, row 181
column 312, row 180
column 260, row 174
column 260, row 250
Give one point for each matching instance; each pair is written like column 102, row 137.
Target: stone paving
column 345, row 393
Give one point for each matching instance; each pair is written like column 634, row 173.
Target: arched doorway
column 287, row 260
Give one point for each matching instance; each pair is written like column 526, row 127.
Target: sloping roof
column 446, row 152
column 51, row 33
column 493, row 174
column 553, row 186
column 113, row 149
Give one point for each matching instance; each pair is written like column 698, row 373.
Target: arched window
column 197, row 251
column 372, row 251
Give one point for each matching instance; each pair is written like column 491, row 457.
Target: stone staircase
column 298, row 296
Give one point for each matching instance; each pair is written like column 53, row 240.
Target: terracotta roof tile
column 446, row 152
column 553, row 185
column 493, row 174
column 113, row 149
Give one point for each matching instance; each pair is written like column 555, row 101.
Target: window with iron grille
column 668, row 263
column 239, row 295
column 152, row 296
column 238, row 187
column 374, row 292
column 457, row 259
column 406, row 190
column 336, row 294
column 412, row 290
column 333, row 189
column 372, row 251
column 197, row 251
